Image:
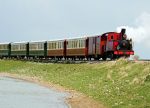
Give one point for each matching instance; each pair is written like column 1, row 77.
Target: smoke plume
column 140, row 32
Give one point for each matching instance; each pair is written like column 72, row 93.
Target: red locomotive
column 108, row 45
column 114, row 45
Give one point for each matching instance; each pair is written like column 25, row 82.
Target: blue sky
column 31, row 20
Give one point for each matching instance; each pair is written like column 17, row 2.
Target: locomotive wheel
column 104, row 58
column 112, row 56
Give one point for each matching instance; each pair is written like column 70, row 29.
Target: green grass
column 120, row 84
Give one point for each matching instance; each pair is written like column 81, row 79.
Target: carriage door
column 97, row 46
column 103, row 44
column 92, row 45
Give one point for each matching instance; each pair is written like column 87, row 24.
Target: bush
column 147, row 78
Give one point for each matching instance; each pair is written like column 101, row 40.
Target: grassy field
column 120, row 84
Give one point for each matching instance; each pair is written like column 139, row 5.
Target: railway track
column 92, row 61
column 69, row 61
column 144, row 60
column 82, row 61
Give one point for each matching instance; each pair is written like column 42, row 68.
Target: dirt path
column 75, row 100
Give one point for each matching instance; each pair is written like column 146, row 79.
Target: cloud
column 140, row 32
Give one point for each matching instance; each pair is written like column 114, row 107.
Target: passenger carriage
column 56, row 49
column 19, row 49
column 37, row 49
column 5, row 49
column 76, row 48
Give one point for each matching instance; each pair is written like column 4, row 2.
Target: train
column 111, row 45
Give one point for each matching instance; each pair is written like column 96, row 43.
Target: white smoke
column 140, row 33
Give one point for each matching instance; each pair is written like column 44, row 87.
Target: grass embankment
column 116, row 84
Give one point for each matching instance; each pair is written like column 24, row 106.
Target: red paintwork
column 124, row 52
column 103, row 44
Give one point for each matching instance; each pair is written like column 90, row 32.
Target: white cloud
column 140, row 33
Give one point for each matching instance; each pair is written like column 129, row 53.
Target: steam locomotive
column 108, row 45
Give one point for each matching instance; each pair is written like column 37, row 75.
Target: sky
column 34, row 20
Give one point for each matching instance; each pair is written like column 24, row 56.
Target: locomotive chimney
column 123, row 32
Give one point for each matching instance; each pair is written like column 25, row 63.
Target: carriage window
column 58, row 45
column 76, row 44
column 3, row 47
column 40, row 46
column 55, row 45
column 81, row 43
column 112, row 37
column 23, row 47
column 32, row 46
column 15, row 47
